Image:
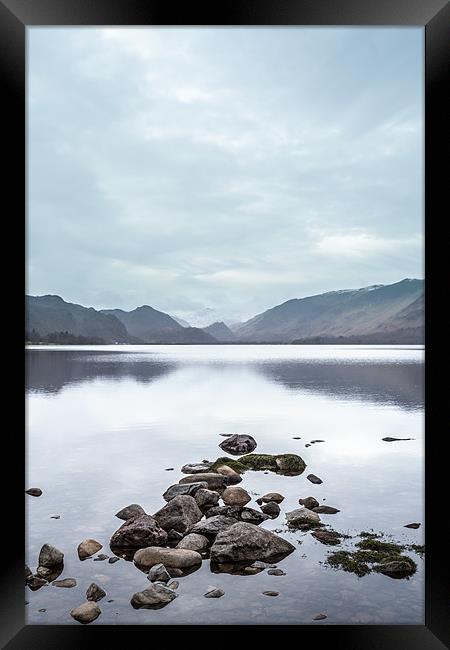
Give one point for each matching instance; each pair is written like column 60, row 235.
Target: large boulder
column 235, row 496
column 139, row 532
column 213, row 480
column 172, row 558
column 154, row 597
column 212, row 526
column 238, row 444
column 244, row 542
column 180, row 514
column 206, row 498
column 50, row 557
column 194, row 542
column 179, row 490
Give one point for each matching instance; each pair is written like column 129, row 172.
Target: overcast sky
column 227, row 168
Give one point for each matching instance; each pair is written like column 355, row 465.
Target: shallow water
column 104, row 423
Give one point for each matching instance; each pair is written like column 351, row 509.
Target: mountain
column 221, row 332
column 153, row 326
column 379, row 310
column 181, row 321
column 48, row 315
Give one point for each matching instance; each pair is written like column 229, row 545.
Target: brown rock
column 88, row 547
column 235, row 496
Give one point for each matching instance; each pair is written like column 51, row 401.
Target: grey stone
column 314, row 479
column 172, row 558
column 206, row 498
column 196, row 468
column 131, row 511
column 139, row 532
column 158, row 572
column 194, row 542
column 302, row 516
column 247, row 542
column 34, row 492
column 49, row 556
column 154, row 597
column 66, row 583
column 309, row 502
column 214, row 592
column 179, row 490
column 213, row 525
column 179, row 514
column 94, row 592
column 86, row 612
column 238, row 444
column 213, row 480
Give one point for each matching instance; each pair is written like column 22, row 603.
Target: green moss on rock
column 289, row 464
column 372, row 554
column 230, row 462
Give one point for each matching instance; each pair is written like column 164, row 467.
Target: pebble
column 34, row 492
column 276, row 572
column 314, row 479
column 55, row 516
column 214, row 592
column 174, row 584
column 415, row 526
column 101, row 557
column 169, row 469
column 42, row 610
column 112, row 560
column 67, row 582
column 319, row 617
column 271, row 593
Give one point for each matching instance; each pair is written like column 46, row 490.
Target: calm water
column 104, row 422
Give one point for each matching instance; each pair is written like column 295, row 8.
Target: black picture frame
column 434, row 16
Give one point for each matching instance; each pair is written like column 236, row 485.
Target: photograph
column 225, row 325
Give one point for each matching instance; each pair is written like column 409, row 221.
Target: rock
column 35, row 582
column 213, row 525
column 259, row 501
column 272, row 509
column 296, row 438
column 326, row 510
column 131, row 511
column 177, row 573
column 86, row 612
column 180, row 514
column 139, row 532
column 154, row 597
column 34, row 492
column 55, row 516
column 172, row 558
column 66, row 583
column 314, row 441
column 276, row 572
column 194, row 542
column 213, row 480
column 50, row 557
column 174, row 536
column 173, row 585
column 206, row 498
column 238, row 444
column 314, row 479
column 180, row 490
column 225, row 435
column 251, row 516
column 50, row 573
column 260, row 565
column 158, row 572
column 272, row 496
column 196, row 468
column 113, row 560
column 307, row 444
column 319, row 617
column 235, row 496
column 28, row 572
column 414, row 526
column 271, row 593
column 88, row 547
column 101, row 558
column 395, row 439
column 244, row 542
column 302, row 516
column 169, row 469
column 309, row 502
column 396, row 569
column 233, row 477
column 328, row 537
column 42, row 610
column 214, row 592
column 94, row 592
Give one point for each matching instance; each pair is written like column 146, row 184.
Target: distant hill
column 50, row 316
column 379, row 311
column 221, row 332
column 153, row 326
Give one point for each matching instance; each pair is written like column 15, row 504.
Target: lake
column 105, row 422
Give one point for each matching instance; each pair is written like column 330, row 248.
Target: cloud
column 224, row 168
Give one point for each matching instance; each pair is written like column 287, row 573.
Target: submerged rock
column 172, row 558
column 214, row 592
column 328, row 537
column 139, row 532
column 179, row 490
column 34, row 492
column 244, row 542
column 213, row 525
column 194, row 542
column 314, row 479
column 302, row 516
column 86, row 612
column 196, row 468
column 154, row 597
column 235, row 496
column 396, row 569
column 309, row 502
column 326, row 510
column 133, row 510
column 50, row 557
column 94, row 592
column 180, row 514
column 238, row 444
column 88, row 547
column 213, row 480
column 67, row 583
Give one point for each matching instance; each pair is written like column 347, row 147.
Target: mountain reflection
column 400, row 383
